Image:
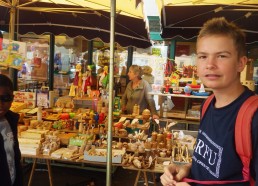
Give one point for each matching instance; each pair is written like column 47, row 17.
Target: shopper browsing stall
column 221, row 56
column 137, row 93
column 10, row 156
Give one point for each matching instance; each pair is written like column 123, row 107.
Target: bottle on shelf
column 136, row 110
column 165, row 108
column 39, row 114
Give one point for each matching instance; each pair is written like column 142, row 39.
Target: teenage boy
column 221, row 56
column 10, row 156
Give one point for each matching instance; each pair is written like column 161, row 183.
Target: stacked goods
column 80, row 139
column 53, row 117
column 139, row 162
column 183, row 145
column 29, row 98
column 100, row 155
column 50, row 144
column 17, row 106
column 131, row 125
column 70, row 153
column 65, row 137
column 30, row 141
column 30, row 146
column 165, row 146
column 40, row 125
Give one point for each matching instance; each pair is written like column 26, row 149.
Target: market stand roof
column 77, row 19
column 183, row 19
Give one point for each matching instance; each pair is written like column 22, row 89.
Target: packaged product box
column 17, row 106
column 177, row 113
column 100, row 155
column 65, row 137
column 29, row 98
column 29, row 150
column 80, row 138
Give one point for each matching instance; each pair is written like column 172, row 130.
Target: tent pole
column 13, row 72
column 129, row 61
column 51, row 61
column 110, row 97
column 12, row 19
column 90, row 52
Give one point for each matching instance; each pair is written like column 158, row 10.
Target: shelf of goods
column 186, row 108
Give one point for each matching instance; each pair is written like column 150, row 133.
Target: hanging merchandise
column 104, row 78
column 86, row 83
column 105, row 81
column 174, row 79
column 13, row 53
column 1, row 43
column 169, row 67
column 117, row 107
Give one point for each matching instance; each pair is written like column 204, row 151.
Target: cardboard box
column 29, row 150
column 117, row 156
column 176, row 113
column 79, row 139
column 17, row 106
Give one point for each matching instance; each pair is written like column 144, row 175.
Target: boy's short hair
column 220, row 26
column 6, row 82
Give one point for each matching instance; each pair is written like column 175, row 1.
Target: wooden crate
column 176, row 113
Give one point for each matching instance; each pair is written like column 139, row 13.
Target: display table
column 159, row 168
column 35, row 158
column 49, row 160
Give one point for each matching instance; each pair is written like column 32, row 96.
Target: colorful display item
column 187, row 90
column 200, row 93
column 117, row 107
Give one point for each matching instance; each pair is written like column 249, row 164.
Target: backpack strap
column 242, row 139
column 206, row 104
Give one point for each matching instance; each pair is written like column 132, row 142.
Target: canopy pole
column 110, row 97
column 51, row 61
column 12, row 19
column 129, row 61
column 90, row 52
column 13, row 72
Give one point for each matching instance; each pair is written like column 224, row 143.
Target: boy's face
column 6, row 97
column 218, row 64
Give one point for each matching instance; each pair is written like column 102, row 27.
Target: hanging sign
column 13, row 54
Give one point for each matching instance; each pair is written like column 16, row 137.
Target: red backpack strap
column 243, row 139
column 206, row 104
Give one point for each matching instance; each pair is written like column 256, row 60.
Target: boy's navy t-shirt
column 215, row 156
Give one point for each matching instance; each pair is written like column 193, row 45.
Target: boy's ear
column 241, row 64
